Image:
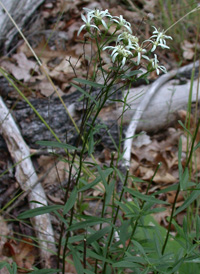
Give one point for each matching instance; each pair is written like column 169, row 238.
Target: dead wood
column 22, row 12
column 27, row 179
column 160, row 112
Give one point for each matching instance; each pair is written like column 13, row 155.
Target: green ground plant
column 125, row 236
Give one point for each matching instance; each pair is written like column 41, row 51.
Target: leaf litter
column 55, row 54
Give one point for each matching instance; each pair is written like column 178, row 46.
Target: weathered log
column 160, row 112
column 28, row 180
column 21, row 11
column 168, row 99
column 52, row 110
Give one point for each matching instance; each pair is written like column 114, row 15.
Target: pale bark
column 21, row 11
column 27, row 179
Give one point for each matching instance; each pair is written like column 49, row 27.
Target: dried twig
column 27, row 178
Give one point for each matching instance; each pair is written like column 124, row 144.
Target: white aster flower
column 127, row 38
column 156, row 44
column 121, row 22
column 99, row 15
column 160, row 36
column 155, row 65
column 87, row 24
column 139, row 50
column 121, row 52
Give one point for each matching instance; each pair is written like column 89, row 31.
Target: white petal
column 83, row 18
column 153, row 48
column 81, row 28
column 145, row 57
column 128, row 28
column 104, row 24
column 114, row 56
column 123, row 62
column 139, row 57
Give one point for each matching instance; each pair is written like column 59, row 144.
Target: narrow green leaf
column 99, row 234
column 155, row 210
column 89, row 83
column 184, row 179
column 123, row 233
column 71, row 201
column 193, row 196
column 56, row 144
column 178, row 228
column 177, row 265
column 103, row 177
column 126, row 264
column 157, row 244
column 94, row 255
column 167, row 189
column 91, row 143
column 144, row 197
column 77, row 263
column 3, row 264
column 86, row 271
column 45, row 271
column 96, row 181
column 87, row 95
column 38, row 211
column 102, row 173
column 75, row 239
column 14, row 268
column 184, row 127
column 132, row 73
column 110, row 191
column 180, row 168
column 197, row 228
column 88, row 223
column 197, row 146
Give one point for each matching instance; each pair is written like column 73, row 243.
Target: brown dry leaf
column 143, row 139
column 23, row 69
column 149, row 5
column 165, row 178
column 188, row 50
column 25, row 257
column 161, row 217
column 145, row 173
column 99, row 190
column 42, row 50
column 47, row 162
column 4, row 233
column 46, row 88
column 65, row 68
column 3, row 257
column 160, row 177
column 171, row 196
column 23, row 253
column 145, row 153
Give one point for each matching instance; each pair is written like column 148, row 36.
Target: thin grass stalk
column 104, row 200
column 142, row 206
column 178, row 189
column 114, row 222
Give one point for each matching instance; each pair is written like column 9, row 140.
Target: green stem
column 114, row 222
column 178, row 189
column 142, row 206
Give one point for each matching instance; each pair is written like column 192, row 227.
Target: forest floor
column 53, row 36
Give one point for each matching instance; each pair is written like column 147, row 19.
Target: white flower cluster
column 127, row 46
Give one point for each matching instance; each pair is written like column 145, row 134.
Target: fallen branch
column 21, row 11
column 143, row 105
column 27, row 178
